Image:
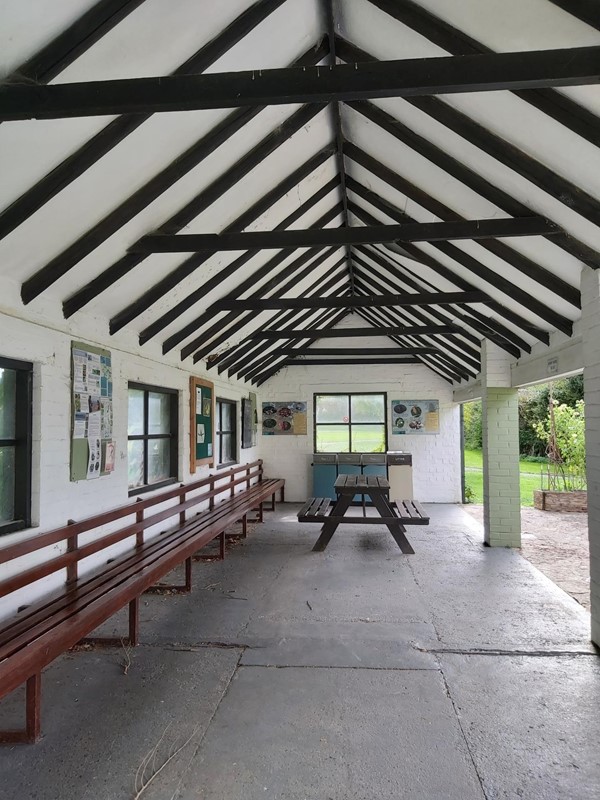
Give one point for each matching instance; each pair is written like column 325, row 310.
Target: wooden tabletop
column 361, row 484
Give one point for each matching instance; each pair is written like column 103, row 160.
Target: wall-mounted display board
column 415, row 416
column 202, row 423
column 288, row 419
column 249, row 421
column 92, row 446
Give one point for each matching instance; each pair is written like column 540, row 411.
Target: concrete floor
column 458, row 672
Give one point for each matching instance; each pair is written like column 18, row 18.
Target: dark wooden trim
column 191, row 210
column 341, row 333
column 348, row 301
column 102, row 142
column 458, row 43
column 376, row 234
column 576, row 66
column 333, row 352
column 328, row 362
column 460, row 256
column 487, row 190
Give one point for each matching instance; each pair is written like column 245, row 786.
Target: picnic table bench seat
column 40, row 632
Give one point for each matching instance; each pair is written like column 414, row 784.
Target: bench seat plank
column 314, row 509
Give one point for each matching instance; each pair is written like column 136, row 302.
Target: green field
column 530, row 477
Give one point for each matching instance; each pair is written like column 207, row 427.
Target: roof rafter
column 458, row 43
column 558, row 187
column 427, row 202
column 116, row 130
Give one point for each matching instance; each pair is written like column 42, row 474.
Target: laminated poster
column 284, row 419
column 415, row 417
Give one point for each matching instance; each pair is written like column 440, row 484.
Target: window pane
column 227, row 448
column 135, row 419
column 332, row 408
column 135, row 463
column 7, row 483
column 226, row 416
column 159, row 460
column 8, row 403
column 368, row 408
column 333, row 439
column 159, row 412
column 368, row 438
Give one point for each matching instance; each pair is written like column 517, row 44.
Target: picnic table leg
column 395, row 528
column 329, row 528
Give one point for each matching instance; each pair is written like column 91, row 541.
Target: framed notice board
column 92, row 445
column 202, row 423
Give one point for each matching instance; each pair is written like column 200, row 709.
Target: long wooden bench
column 40, row 632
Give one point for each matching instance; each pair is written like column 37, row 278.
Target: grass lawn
column 530, row 477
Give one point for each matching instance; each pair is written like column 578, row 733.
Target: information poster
column 92, row 404
column 415, row 416
column 202, row 404
column 284, row 419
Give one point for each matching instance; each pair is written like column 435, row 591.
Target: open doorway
column 554, row 537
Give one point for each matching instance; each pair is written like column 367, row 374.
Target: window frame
column 173, row 436
column 218, row 432
column 348, row 424
column 22, row 443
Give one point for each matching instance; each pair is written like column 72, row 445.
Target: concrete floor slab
column 329, row 733
column 99, row 723
column 532, row 724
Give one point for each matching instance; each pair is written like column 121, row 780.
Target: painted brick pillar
column 590, row 329
column 500, row 423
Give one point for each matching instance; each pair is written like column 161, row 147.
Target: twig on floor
column 309, row 605
column 126, row 661
column 141, row 781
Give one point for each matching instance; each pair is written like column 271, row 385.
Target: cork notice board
column 202, row 423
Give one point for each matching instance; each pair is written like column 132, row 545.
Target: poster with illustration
column 415, row 416
column 287, row 419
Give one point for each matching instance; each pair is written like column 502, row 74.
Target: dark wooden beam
column 491, row 276
column 70, row 257
column 503, row 151
column 224, row 329
column 327, row 237
column 325, row 362
column 458, row 43
column 576, row 66
column 424, row 258
column 332, row 352
column 490, row 192
column 425, row 299
column 587, row 11
column 200, row 294
column 344, row 333
column 102, row 142
column 71, row 43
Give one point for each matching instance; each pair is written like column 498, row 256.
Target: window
column 350, row 423
column 226, row 432
column 151, row 437
column 15, row 444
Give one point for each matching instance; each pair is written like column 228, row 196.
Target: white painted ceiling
column 156, row 37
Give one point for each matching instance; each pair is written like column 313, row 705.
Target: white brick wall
column 590, row 296
column 55, row 499
column 436, row 458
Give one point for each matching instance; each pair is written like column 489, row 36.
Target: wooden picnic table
column 377, row 488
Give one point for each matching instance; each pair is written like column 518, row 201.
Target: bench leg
column 119, row 641
column 186, row 588
column 273, row 502
column 245, row 526
column 134, row 622
column 32, row 732
column 282, row 498
column 260, row 512
column 222, row 546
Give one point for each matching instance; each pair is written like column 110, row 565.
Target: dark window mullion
column 146, row 405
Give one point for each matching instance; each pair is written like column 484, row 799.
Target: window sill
column 227, row 465
column 151, row 487
column 14, row 525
